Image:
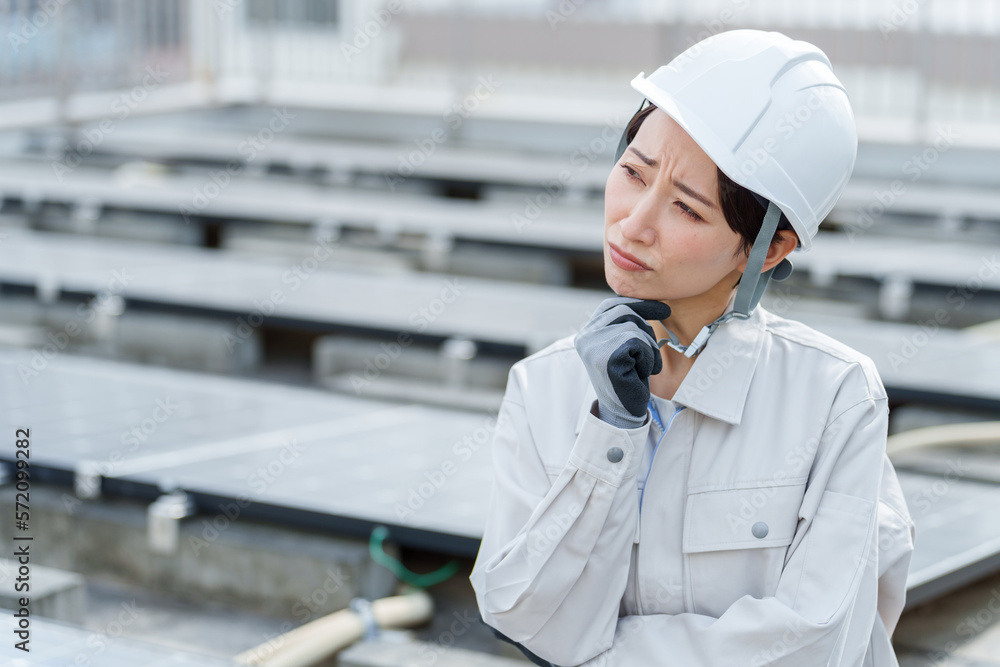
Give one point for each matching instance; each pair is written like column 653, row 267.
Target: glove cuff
column 621, row 419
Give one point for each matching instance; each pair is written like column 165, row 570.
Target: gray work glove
column 620, row 352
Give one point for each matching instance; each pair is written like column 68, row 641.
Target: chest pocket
column 735, row 541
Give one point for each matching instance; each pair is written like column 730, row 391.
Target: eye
column 687, row 211
column 632, row 173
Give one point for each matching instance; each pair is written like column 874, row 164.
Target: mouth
column 626, row 261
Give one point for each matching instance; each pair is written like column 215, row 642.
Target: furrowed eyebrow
column 684, row 188
column 694, row 194
column 648, row 160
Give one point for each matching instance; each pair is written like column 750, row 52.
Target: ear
column 783, row 243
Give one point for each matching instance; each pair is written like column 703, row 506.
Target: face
column 661, row 205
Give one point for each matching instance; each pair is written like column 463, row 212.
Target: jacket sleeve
column 896, row 537
column 554, row 558
column 824, row 607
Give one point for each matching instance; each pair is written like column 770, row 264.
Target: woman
column 775, row 531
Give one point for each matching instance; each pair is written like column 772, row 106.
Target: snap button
column 759, row 529
column 615, row 454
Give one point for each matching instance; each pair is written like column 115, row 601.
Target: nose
column 639, row 223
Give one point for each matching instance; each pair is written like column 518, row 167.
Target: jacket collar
column 719, row 380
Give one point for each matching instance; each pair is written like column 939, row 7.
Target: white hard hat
column 771, row 114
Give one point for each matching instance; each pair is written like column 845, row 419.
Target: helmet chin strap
column 752, row 286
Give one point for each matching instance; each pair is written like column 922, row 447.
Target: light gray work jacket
column 772, row 530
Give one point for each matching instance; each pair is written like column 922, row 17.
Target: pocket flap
column 758, row 516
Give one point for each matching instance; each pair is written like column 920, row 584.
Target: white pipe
column 946, row 435
column 319, row 639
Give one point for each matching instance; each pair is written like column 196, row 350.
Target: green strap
column 378, row 554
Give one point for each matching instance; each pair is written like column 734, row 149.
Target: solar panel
column 56, row 643
column 422, row 471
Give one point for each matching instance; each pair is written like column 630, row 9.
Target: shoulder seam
column 511, row 401
column 814, row 345
column 859, row 359
column 843, row 412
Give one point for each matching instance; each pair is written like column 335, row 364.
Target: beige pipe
column 946, row 435
column 319, row 639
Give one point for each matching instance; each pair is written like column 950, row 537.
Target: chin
column 625, row 287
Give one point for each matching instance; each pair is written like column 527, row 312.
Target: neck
column 687, row 318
